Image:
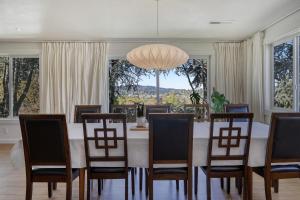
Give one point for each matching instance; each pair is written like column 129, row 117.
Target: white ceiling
column 110, row 19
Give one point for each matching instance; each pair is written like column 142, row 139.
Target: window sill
column 12, row 121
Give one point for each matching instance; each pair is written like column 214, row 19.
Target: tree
column 25, row 71
column 283, row 75
column 195, row 71
column 124, row 75
column 4, row 91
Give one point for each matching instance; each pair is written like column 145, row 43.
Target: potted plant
column 218, row 101
column 140, row 115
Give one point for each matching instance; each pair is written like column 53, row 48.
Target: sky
column 169, row 81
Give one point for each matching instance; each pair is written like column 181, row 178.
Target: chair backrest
column 229, row 139
column 201, row 111
column 45, row 140
column 105, row 141
column 284, row 138
column 129, row 110
column 80, row 109
column 170, row 139
column 237, row 108
column 157, row 109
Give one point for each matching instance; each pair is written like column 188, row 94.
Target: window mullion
column 11, row 87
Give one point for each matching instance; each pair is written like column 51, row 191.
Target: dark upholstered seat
column 182, row 170
column 225, row 168
column 54, row 172
column 279, row 169
column 108, row 169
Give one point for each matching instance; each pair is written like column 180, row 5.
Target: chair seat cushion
column 232, row 168
column 181, row 170
column 278, row 169
column 108, row 169
column 54, row 172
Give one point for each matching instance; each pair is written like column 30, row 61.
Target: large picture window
column 130, row 84
column 283, row 73
column 19, row 87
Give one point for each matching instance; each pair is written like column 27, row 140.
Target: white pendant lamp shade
column 157, row 56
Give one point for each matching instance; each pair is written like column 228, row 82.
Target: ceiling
column 111, row 19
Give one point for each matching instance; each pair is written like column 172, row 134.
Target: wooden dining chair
column 46, row 143
column 228, row 142
column 80, row 109
column 283, row 152
column 235, row 108
column 170, row 142
column 129, row 110
column 101, row 144
column 156, row 109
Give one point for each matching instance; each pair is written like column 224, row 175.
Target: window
column 130, row 84
column 283, row 73
column 19, row 87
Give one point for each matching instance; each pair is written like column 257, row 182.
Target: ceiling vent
column 222, row 22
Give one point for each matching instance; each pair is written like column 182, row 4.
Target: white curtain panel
column 253, row 62
column 229, row 72
column 73, row 73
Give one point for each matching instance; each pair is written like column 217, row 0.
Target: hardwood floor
column 12, row 187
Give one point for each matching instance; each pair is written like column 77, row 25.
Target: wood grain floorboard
column 12, row 187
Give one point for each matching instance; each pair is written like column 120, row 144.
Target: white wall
column 288, row 27
column 9, row 129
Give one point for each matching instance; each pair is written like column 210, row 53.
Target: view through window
column 22, row 73
column 283, row 75
column 130, row 84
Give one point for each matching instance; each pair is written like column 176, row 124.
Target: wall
column 288, row 27
column 9, row 128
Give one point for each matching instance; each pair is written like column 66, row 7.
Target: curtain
column 253, row 62
column 229, row 72
column 73, row 73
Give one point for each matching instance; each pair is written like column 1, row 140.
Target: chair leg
column 69, row 190
column 268, row 185
column 99, row 186
column 222, row 183
column 208, row 192
column 132, row 181
column 88, row 189
column 146, row 182
column 126, row 188
column 177, row 185
column 102, row 183
column 228, row 185
column 28, row 190
column 54, row 186
column 150, row 184
column 141, row 178
column 185, row 187
column 196, row 180
column 49, row 189
column 239, row 183
column 190, row 188
column 276, row 185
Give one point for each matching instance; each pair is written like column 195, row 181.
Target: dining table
column 138, row 147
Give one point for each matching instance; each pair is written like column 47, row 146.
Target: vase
column 140, row 121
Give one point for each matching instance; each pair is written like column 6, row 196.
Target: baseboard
column 8, row 141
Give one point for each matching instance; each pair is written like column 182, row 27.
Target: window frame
column 207, row 57
column 10, row 82
column 295, row 71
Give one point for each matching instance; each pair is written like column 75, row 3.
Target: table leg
column 250, row 184
column 81, row 183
